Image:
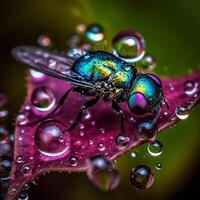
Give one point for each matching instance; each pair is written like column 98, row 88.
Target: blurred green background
column 172, row 34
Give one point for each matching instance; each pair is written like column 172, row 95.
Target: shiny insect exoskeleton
column 99, row 74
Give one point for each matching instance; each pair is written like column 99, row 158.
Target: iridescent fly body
column 99, row 74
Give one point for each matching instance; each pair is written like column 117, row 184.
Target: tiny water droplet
column 128, row 45
column 26, row 169
column 101, row 147
column 155, row 148
column 133, row 154
column 122, row 140
column 141, row 177
column 22, row 119
column 22, row 196
column 190, row 87
column 158, row 166
column 101, row 131
column 43, row 99
column 73, row 161
column 81, row 126
column 19, row 159
column 103, row 173
column 94, row 33
column 51, row 138
column 182, row 112
column 3, row 133
column 148, row 62
column 44, row 41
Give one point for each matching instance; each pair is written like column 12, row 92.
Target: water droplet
column 52, row 64
column 101, row 131
column 155, row 148
column 122, row 140
column 44, row 41
column 101, row 147
column 5, row 166
column 133, row 154
column 103, row 173
column 36, row 75
column 148, row 62
column 22, row 119
column 81, row 126
column 3, row 133
column 43, row 99
column 190, row 87
column 147, row 130
column 87, row 115
column 94, row 33
column 22, row 196
column 129, row 46
column 158, row 166
column 19, row 159
column 51, row 138
column 73, row 161
column 141, row 177
column 181, row 112
column 172, row 117
column 26, row 169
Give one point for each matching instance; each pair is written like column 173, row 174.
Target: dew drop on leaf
column 141, row 177
column 148, row 62
column 103, row 173
column 190, row 87
column 155, row 148
column 43, row 99
column 122, row 140
column 182, row 112
column 94, row 33
column 51, row 138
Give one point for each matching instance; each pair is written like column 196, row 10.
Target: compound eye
column 155, row 78
column 138, row 104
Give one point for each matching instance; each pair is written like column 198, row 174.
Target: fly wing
column 50, row 63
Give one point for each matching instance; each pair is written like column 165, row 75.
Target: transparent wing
column 50, row 63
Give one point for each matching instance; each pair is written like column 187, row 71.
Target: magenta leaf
column 48, row 146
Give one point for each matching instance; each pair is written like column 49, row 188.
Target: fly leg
column 60, row 103
column 120, row 112
column 84, row 106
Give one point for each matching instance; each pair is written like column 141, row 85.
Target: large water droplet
column 147, row 130
column 141, row 177
column 181, row 112
column 5, row 166
column 51, row 138
column 190, row 87
column 44, row 41
column 148, row 62
column 94, row 33
column 122, row 140
column 43, row 99
column 22, row 196
column 155, row 148
column 103, row 173
column 129, row 46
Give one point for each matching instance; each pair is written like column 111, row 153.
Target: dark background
column 171, row 29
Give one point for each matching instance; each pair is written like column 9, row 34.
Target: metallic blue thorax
column 101, row 66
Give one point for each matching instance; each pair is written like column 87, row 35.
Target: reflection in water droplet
column 129, row 46
column 94, row 33
column 155, row 148
column 103, row 173
column 190, row 87
column 51, row 138
column 43, row 99
column 22, row 196
column 148, row 62
column 122, row 140
column 44, row 41
column 141, row 177
column 181, row 112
